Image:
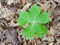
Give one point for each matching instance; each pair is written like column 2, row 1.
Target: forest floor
column 10, row 31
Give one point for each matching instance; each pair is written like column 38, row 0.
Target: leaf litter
column 6, row 19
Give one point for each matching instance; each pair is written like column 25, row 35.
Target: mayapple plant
column 35, row 20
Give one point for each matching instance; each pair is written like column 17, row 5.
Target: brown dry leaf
column 57, row 1
column 2, row 43
column 44, row 6
column 11, row 36
column 25, row 7
column 23, row 2
column 58, row 42
column 56, row 23
column 56, row 11
column 0, row 28
column 51, row 31
column 24, row 43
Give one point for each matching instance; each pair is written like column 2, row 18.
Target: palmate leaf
column 37, row 29
column 24, row 18
column 43, row 18
column 28, row 32
column 41, row 29
column 34, row 18
column 35, row 10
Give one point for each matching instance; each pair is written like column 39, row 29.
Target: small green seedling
column 35, row 20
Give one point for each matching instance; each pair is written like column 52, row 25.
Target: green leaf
column 34, row 18
column 43, row 18
column 41, row 29
column 24, row 18
column 35, row 9
column 34, row 28
column 28, row 32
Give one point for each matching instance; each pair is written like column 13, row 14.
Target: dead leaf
column 23, row 2
column 51, row 31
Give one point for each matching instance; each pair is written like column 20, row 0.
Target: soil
column 10, row 31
